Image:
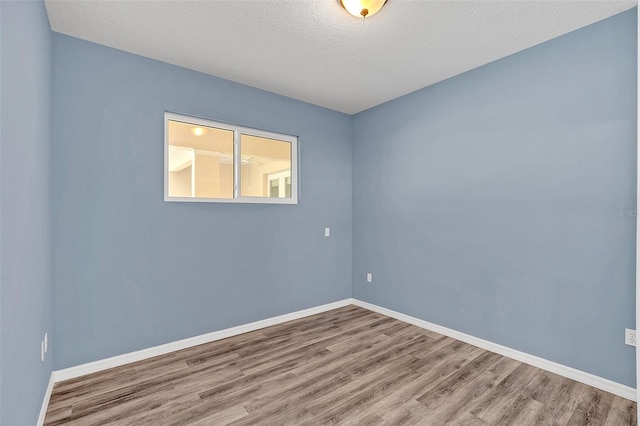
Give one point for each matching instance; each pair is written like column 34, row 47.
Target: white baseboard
column 45, row 400
column 103, row 364
column 562, row 370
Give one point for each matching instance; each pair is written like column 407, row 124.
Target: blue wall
column 132, row 271
column 25, row 200
column 480, row 203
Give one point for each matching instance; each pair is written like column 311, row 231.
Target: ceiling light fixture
column 198, row 131
column 362, row 8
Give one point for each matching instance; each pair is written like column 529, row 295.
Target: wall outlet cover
column 629, row 337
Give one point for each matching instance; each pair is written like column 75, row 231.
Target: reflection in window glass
column 200, row 161
column 287, row 187
column 274, row 190
column 266, row 164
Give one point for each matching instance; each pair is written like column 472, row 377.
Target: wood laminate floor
column 348, row 366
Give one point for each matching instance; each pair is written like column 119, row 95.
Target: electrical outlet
column 369, row 277
column 327, row 232
column 629, row 337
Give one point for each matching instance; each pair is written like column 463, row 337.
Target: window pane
column 265, row 164
column 200, row 161
column 218, row 162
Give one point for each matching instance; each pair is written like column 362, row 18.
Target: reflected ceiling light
column 362, row 8
column 198, row 131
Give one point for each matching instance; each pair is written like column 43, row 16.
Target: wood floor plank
column 468, row 419
column 319, row 375
column 622, row 413
column 523, row 412
column 156, row 413
column 441, row 366
column 593, row 408
column 319, row 399
column 412, row 413
column 359, row 403
column 70, row 391
column 558, row 403
column 349, row 366
column 224, row 417
column 512, row 406
column 451, row 384
column 456, row 409
column 496, row 402
column 364, row 391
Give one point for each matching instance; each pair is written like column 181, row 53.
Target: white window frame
column 237, row 132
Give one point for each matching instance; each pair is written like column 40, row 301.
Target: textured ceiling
column 314, row 51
